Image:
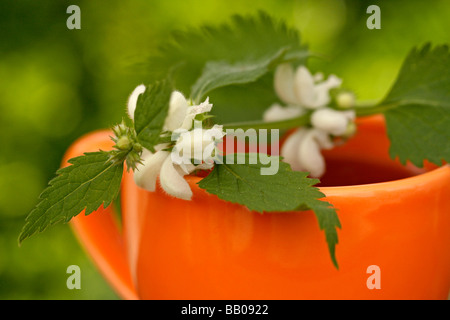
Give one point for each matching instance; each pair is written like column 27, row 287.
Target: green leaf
column 424, row 78
column 218, row 74
column 91, row 180
column 417, row 108
column 328, row 221
column 286, row 190
column 151, row 112
column 243, row 39
column 237, row 103
column 419, row 132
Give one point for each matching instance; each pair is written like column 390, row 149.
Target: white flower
column 332, row 121
column 181, row 114
column 198, row 145
column 302, row 150
column 132, row 100
column 301, row 91
column 278, row 113
column 302, row 88
column 160, row 164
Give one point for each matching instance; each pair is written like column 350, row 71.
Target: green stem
column 296, row 122
column 363, row 110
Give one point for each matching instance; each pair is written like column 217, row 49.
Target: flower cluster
column 172, row 165
column 301, row 91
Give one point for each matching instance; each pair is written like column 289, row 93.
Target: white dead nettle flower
column 302, row 150
column 301, row 91
column 132, row 100
column 278, row 113
column 197, row 146
column 302, row 88
column 160, row 164
column 332, row 121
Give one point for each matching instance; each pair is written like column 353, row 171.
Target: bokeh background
column 57, row 84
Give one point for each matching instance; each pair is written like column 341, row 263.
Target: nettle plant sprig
column 252, row 69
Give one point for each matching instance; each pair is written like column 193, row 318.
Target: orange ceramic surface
column 210, row 249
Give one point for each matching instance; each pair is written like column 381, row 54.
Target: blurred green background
column 57, row 84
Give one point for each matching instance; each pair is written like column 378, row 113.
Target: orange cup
column 206, row 248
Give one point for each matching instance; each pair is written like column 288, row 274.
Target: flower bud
column 345, row 99
column 123, row 143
